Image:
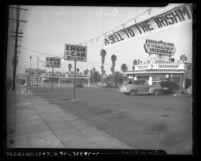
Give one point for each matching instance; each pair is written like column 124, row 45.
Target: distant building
column 155, row 72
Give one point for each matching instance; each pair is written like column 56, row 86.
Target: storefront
column 155, row 72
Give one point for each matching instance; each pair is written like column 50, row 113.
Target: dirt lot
column 143, row 122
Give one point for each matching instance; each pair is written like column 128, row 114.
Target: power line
column 88, row 62
column 35, row 51
column 114, row 29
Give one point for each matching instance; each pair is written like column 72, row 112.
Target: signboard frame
column 159, row 48
column 55, row 60
column 74, row 52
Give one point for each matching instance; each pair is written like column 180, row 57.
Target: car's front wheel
column 132, row 92
column 156, row 92
column 126, row 93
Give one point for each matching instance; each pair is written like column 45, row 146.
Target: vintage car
column 142, row 87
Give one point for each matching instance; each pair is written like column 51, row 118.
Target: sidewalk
column 39, row 124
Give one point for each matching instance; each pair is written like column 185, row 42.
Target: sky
column 49, row 28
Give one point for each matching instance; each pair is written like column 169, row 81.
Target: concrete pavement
column 40, row 124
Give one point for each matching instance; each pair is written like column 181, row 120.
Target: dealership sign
column 53, row 62
column 178, row 15
column 159, row 48
column 160, row 66
column 75, row 52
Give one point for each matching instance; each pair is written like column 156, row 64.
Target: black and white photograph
column 100, row 77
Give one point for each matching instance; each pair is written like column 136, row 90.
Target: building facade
column 161, row 71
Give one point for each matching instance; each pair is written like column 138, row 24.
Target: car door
column 138, row 86
column 144, row 87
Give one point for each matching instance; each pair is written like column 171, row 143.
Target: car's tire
column 126, row 93
column 132, row 92
column 156, row 92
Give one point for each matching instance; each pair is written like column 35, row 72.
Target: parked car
column 142, row 87
column 110, row 85
column 79, row 85
column 188, row 90
column 170, row 86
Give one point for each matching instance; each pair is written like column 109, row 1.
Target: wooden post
column 52, row 79
column 74, row 80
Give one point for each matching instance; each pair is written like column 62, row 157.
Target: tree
column 93, row 69
column 183, row 58
column 69, row 67
column 112, row 69
column 77, row 70
column 102, row 69
column 116, row 78
column 135, row 62
column 103, row 54
column 172, row 60
column 95, row 76
column 124, row 68
column 113, row 58
column 86, row 71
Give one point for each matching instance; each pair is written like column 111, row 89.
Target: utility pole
column 74, row 82
column 17, row 35
column 52, row 78
column 37, row 70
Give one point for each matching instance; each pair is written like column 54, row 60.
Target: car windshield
column 139, row 82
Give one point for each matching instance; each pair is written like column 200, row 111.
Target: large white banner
column 174, row 16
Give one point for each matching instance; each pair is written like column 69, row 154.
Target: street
column 142, row 122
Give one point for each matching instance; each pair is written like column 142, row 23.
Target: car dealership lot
column 142, row 121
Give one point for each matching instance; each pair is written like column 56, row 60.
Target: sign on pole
column 53, row 62
column 159, row 47
column 75, row 52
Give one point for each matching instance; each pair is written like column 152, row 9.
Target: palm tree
column 112, row 69
column 172, row 60
column 135, row 62
column 86, row 71
column 183, row 58
column 77, row 70
column 102, row 69
column 124, row 68
column 102, row 54
column 93, row 70
column 69, row 67
column 113, row 58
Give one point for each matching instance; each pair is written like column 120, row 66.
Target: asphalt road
column 142, row 122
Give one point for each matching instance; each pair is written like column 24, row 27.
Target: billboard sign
column 178, row 15
column 53, row 62
column 75, row 52
column 159, row 47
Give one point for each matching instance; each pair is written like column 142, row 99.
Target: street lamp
column 167, row 76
